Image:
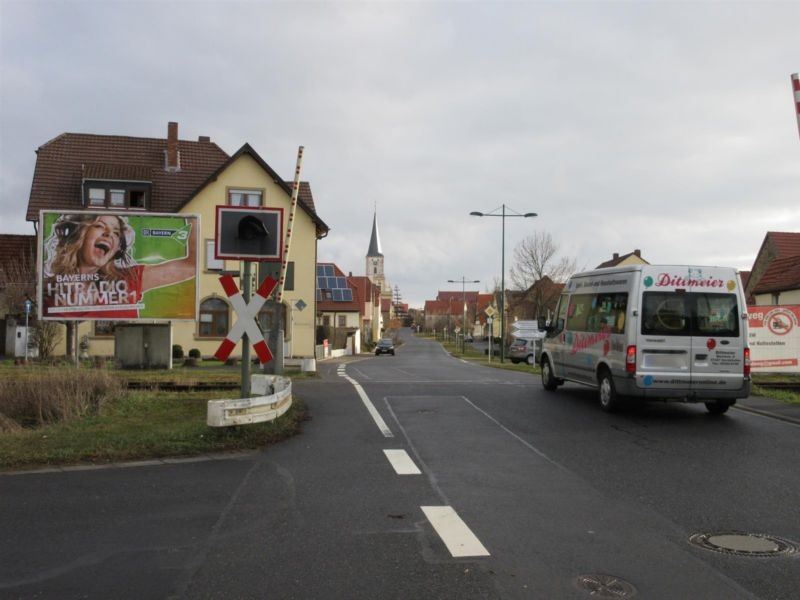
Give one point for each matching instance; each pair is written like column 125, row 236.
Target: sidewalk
column 771, row 408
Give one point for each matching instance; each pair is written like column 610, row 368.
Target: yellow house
column 147, row 175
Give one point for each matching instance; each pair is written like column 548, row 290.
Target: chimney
column 616, row 255
column 638, row 253
column 203, row 138
column 173, row 157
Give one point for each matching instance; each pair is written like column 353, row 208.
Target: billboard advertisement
column 117, row 266
column 774, row 338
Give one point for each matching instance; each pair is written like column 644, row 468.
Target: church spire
column 375, row 241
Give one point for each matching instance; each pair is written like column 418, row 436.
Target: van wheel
column 530, row 360
column 609, row 400
column 549, row 382
column 719, row 407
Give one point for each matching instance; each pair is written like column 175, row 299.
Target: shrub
column 56, row 396
column 177, row 351
column 195, row 353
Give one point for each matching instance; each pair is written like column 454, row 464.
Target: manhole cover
column 743, row 544
column 600, row 585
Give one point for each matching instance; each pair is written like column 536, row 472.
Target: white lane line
column 455, row 534
column 376, row 416
column 402, row 463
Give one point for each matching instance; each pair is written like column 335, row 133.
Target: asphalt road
column 520, row 494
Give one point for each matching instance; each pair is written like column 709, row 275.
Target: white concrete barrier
column 274, row 399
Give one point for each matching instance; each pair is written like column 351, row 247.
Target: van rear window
column 673, row 313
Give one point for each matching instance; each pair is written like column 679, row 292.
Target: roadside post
column 28, row 306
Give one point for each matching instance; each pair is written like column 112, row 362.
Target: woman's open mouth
column 102, row 248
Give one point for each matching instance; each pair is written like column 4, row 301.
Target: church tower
column 375, row 258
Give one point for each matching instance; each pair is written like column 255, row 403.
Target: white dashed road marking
column 455, row 534
column 402, row 462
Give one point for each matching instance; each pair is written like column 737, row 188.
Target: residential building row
column 79, row 173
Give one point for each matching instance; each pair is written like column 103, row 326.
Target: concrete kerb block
column 273, row 397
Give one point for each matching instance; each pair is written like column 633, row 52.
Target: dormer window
column 118, row 187
column 116, row 195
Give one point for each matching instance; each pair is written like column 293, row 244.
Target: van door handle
column 701, row 356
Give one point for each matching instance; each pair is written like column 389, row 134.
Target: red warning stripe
column 229, row 285
column 262, row 350
column 225, row 349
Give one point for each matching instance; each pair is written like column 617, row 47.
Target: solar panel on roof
column 337, row 295
column 320, row 270
column 341, row 282
column 321, row 281
column 329, row 270
column 319, row 295
column 347, row 295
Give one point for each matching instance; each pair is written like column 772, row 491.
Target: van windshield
column 673, row 313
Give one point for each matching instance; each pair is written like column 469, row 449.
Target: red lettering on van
column 668, row 280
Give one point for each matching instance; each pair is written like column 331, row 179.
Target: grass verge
column 138, row 425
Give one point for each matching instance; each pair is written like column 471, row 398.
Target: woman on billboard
column 89, row 270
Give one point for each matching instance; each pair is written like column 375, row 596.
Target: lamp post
column 502, row 214
column 464, row 282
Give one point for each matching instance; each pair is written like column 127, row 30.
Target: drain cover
column 600, row 585
column 743, row 544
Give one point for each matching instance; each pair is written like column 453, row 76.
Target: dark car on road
column 385, row 346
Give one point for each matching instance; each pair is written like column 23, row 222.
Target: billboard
column 117, row 266
column 774, row 338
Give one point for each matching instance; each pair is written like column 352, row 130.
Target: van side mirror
column 541, row 323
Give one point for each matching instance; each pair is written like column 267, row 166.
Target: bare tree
column 537, row 256
column 46, row 336
column 537, row 267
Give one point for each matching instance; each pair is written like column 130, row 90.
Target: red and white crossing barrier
column 246, row 323
column 796, row 90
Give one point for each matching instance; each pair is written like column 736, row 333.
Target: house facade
column 81, row 172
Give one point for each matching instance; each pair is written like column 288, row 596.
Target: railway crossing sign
column 246, row 322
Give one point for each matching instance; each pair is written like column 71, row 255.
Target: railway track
column 172, row 386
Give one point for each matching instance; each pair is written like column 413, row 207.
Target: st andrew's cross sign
column 246, row 323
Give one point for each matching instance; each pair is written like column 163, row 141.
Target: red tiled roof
column 785, row 243
column 63, row 163
column 443, row 307
column 455, row 295
column 60, row 162
column 19, row 250
column 782, row 274
column 618, row 259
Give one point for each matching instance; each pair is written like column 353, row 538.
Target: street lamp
column 503, row 215
column 464, row 281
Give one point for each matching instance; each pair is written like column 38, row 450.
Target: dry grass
column 55, row 396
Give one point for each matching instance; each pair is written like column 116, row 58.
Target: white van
column 652, row 332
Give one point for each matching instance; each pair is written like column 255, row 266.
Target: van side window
column 561, row 313
column 608, row 312
column 580, row 305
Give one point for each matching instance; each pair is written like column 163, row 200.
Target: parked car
column 385, row 346
column 523, row 349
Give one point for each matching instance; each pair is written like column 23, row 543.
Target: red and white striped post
column 796, row 91
column 292, row 209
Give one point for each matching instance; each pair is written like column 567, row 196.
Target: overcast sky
column 668, row 127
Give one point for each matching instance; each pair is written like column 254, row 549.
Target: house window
column 97, row 197
column 122, row 196
column 213, row 264
column 213, row 318
column 776, row 297
column 117, row 198
column 104, row 328
column 244, row 197
column 342, row 320
column 326, row 320
column 136, row 198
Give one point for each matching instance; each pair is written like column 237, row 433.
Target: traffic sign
column 489, row 311
column 246, row 323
